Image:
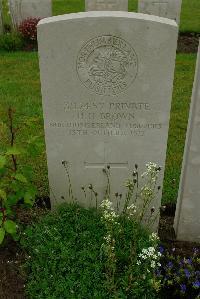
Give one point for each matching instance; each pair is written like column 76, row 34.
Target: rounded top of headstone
column 107, row 14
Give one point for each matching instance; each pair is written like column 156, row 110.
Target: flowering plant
column 140, row 196
column 180, row 275
column 140, row 263
column 28, row 29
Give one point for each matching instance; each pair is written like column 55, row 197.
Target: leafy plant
column 65, row 258
column 16, row 186
column 97, row 253
column 11, row 41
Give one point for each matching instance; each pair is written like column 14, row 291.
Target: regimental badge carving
column 107, row 65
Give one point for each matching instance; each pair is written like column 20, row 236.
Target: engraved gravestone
column 106, row 5
column 170, row 9
column 107, row 92
column 23, row 9
column 187, row 219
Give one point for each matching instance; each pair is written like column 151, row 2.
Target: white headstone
column 187, row 219
column 106, row 5
column 170, row 9
column 23, row 9
column 107, row 81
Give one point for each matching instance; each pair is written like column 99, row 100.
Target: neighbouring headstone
column 106, row 5
column 107, row 80
column 170, row 9
column 23, row 9
column 187, row 219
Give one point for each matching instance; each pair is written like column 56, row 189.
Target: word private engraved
column 107, row 65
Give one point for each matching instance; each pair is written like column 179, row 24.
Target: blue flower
column 181, row 263
column 161, row 249
column 189, row 261
column 170, row 265
column 183, row 288
column 196, row 284
column 196, row 250
column 158, row 273
column 187, row 273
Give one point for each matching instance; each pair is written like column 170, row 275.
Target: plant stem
column 10, row 117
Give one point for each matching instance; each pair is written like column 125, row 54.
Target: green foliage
column 2, row 234
column 11, row 41
column 66, row 258
column 16, row 186
column 10, row 227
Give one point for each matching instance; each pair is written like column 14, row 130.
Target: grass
column 20, row 88
column 190, row 14
column 184, row 74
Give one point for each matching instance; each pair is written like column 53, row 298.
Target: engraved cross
column 105, row 162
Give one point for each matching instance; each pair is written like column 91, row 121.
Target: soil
column 12, row 258
column 188, row 43
column 12, row 280
column 167, row 234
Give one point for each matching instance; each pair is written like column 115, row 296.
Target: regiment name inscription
column 107, row 65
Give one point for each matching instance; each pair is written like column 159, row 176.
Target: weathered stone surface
column 170, row 9
column 106, row 5
column 107, row 81
column 23, row 9
column 187, row 219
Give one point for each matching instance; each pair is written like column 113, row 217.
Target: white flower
column 154, row 237
column 146, row 191
column 107, row 238
column 150, row 254
column 152, row 170
column 106, row 204
column 132, row 209
column 153, row 264
column 109, row 214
